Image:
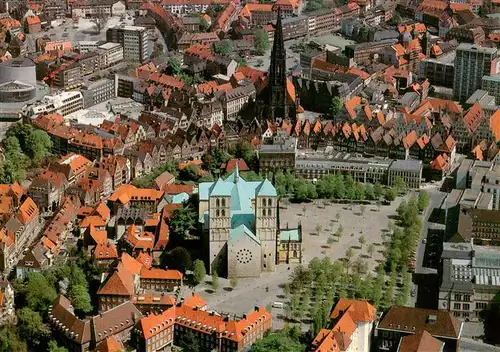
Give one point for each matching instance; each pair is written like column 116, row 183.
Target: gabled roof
column 110, row 344
column 420, row 342
column 27, row 211
column 240, row 231
column 495, row 125
column 360, row 311
column 436, row 322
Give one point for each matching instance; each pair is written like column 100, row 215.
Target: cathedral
column 275, row 102
column 240, row 223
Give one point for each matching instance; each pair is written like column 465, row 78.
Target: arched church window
column 263, row 212
column 223, row 202
column 268, row 212
column 223, row 212
column 217, row 202
column 269, row 202
column 217, row 212
column 263, row 202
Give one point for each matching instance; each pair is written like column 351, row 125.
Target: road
column 436, row 199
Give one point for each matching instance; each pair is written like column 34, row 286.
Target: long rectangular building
column 470, row 278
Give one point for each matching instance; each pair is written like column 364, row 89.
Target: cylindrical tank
column 19, row 69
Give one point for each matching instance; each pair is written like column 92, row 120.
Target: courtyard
column 369, row 222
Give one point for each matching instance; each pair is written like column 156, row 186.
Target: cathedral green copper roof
column 265, row 189
column 221, row 189
column 242, row 230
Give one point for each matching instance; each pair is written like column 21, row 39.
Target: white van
column 278, row 305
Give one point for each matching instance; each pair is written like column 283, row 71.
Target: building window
column 466, row 306
column 458, row 297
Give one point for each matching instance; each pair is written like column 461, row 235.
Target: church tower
column 426, row 44
column 266, row 222
column 276, row 105
column 219, row 208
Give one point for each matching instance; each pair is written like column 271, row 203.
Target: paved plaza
column 268, row 288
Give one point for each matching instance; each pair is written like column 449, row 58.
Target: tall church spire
column 276, row 105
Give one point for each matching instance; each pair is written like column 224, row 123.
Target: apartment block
column 134, row 40
column 472, row 62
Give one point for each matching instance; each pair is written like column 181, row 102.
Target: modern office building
column 134, row 41
column 439, row 71
column 472, row 62
column 111, row 54
column 491, row 84
column 98, row 91
column 63, row 103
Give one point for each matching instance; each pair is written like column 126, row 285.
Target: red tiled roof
column 359, row 310
column 27, row 211
column 161, row 274
column 231, row 164
column 495, row 125
column 420, row 342
column 110, row 344
column 104, row 251
column 194, row 301
column 33, row 20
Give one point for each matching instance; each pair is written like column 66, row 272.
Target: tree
column 286, row 340
column 400, row 184
column 313, row 6
column 191, row 172
column 395, row 20
column 349, row 254
column 178, row 258
column 52, row 347
column 391, row 194
column 371, row 250
column 214, row 9
column 361, row 240
column 182, row 221
column 362, row 209
column 204, row 25
column 335, row 107
column 261, row 40
column 10, row 340
column 423, row 200
column 224, row 47
column 173, row 67
column 80, row 298
column 199, row 271
column 39, row 145
column 340, row 231
column 330, row 240
column 318, row 228
column 337, row 216
column 233, row 282
column 215, row 280
column 31, row 327
column 378, row 191
column 370, row 192
column 39, row 295
column 99, row 20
